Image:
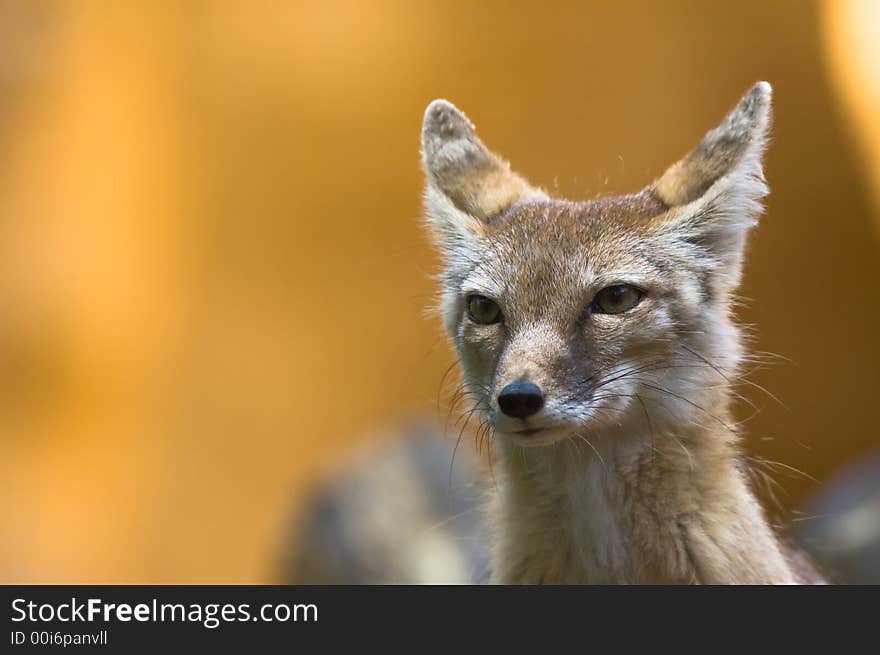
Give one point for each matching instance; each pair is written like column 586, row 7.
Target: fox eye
column 617, row 299
column 483, row 310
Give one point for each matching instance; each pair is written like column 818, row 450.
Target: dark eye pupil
column 482, row 310
column 617, row 299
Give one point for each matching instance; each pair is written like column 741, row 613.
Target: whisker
column 590, row 444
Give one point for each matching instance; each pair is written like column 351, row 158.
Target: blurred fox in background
column 409, row 511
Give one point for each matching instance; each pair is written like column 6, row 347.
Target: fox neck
column 632, row 506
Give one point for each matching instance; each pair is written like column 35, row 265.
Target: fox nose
column 521, row 399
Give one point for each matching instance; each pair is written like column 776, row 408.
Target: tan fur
column 478, row 182
column 720, row 151
column 634, row 474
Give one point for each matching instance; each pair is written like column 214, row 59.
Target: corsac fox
column 598, row 342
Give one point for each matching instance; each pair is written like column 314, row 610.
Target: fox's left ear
column 714, row 193
column 467, row 184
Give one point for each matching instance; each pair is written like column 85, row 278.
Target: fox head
column 575, row 316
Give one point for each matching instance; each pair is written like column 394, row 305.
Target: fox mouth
column 539, row 436
column 528, row 432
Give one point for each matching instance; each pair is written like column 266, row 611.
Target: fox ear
column 467, row 184
column 714, row 193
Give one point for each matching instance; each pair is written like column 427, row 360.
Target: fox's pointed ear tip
column 755, row 107
column 445, row 120
column 760, row 96
column 438, row 106
column 762, row 89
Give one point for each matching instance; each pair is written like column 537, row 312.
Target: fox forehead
column 630, row 212
column 540, row 248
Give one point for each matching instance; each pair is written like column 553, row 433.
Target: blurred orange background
column 213, row 276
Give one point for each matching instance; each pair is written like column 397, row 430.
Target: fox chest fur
column 628, row 519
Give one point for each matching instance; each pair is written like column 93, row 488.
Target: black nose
column 521, row 399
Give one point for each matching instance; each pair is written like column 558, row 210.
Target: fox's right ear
column 714, row 192
column 467, row 184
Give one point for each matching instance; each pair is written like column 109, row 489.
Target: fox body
column 597, row 340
